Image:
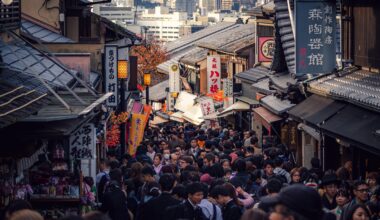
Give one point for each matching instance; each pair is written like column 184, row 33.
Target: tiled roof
column 45, row 35
column 263, row 87
column 223, row 40
column 195, row 56
column 235, row 46
column 20, row 96
column 282, row 81
column 286, row 33
column 359, row 87
column 254, row 74
column 275, row 104
column 189, row 41
column 18, row 56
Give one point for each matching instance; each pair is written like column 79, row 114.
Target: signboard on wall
column 228, row 87
column 207, row 106
column 315, row 36
column 174, row 81
column 111, row 74
column 213, row 74
column 266, row 49
column 83, row 142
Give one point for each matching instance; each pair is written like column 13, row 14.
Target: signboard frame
column 110, row 68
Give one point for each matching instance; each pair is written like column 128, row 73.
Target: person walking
column 115, row 199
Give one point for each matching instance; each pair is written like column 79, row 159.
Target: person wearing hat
column 296, row 202
column 330, row 185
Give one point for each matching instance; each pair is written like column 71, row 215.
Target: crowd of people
column 197, row 173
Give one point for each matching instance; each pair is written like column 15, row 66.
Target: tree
column 149, row 56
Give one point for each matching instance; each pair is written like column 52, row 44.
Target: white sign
column 228, row 87
column 83, row 142
column 174, row 81
column 213, row 74
column 111, row 74
column 207, row 106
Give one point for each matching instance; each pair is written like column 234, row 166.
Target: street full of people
column 193, row 172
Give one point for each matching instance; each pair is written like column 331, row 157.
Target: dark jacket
column 346, row 209
column 231, row 211
column 326, row 203
column 184, row 211
column 156, row 208
column 115, row 203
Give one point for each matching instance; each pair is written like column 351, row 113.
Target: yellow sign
column 174, row 68
column 136, row 132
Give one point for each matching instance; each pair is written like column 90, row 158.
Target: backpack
column 102, row 186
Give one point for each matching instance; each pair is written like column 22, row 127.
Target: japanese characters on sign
column 228, row 87
column 111, row 74
column 207, row 106
column 174, row 81
column 136, row 132
column 82, row 142
column 213, row 74
column 266, row 49
column 315, row 36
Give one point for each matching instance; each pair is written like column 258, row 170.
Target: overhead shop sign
column 315, row 36
column 174, row 82
column 213, row 74
column 83, row 142
column 207, row 106
column 111, row 74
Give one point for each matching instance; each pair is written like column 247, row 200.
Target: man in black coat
column 155, row 208
column 114, row 200
column 230, row 210
column 189, row 209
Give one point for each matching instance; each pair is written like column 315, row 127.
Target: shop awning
column 275, row 104
column 315, row 110
column 265, row 117
column 211, row 116
column 357, row 125
column 184, row 101
column 248, row 100
column 177, row 116
column 158, row 92
column 157, row 120
column 194, row 114
column 236, row 107
column 309, row 130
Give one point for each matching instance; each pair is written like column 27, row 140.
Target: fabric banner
column 136, row 132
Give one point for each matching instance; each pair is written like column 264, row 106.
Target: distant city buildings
column 162, row 24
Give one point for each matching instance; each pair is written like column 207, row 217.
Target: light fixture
column 122, row 69
column 7, row 2
column 147, row 78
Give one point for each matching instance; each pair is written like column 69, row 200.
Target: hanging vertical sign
column 110, row 68
column 266, row 49
column 228, row 87
column 207, row 106
column 83, row 142
column 136, row 132
column 213, row 74
column 174, row 81
column 315, row 36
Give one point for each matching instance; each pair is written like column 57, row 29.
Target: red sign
column 266, row 49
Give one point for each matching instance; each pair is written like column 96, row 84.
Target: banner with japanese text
column 110, row 68
column 213, row 74
column 136, row 132
column 83, row 142
column 315, row 37
column 207, row 106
